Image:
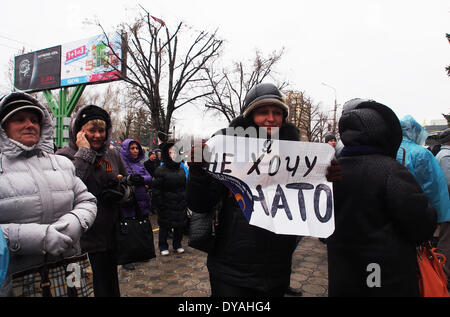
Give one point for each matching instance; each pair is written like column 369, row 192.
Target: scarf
column 361, row 150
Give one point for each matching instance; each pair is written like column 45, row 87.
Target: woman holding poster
column 247, row 260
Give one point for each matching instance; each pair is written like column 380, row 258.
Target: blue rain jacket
column 4, row 258
column 424, row 166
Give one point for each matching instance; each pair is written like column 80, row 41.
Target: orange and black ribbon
column 107, row 165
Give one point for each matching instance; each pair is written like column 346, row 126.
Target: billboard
column 91, row 60
column 86, row 61
column 38, row 70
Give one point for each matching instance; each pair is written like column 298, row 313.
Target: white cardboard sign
column 279, row 185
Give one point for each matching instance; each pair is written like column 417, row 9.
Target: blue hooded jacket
column 424, row 167
column 4, row 258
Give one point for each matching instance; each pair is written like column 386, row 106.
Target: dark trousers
column 105, row 277
column 221, row 289
column 162, row 238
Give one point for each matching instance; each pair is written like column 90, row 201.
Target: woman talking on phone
column 98, row 166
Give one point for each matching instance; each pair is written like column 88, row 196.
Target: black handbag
column 134, row 238
column 203, row 227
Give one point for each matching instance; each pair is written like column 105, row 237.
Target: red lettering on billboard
column 76, row 52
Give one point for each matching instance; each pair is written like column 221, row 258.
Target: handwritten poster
column 279, row 185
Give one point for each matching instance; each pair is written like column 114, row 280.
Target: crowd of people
column 389, row 196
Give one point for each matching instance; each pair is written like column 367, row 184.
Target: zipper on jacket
column 52, row 160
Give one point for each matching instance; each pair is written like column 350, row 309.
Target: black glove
column 112, row 192
column 135, row 179
column 199, row 167
column 334, row 172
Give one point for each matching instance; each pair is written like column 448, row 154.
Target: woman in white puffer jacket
column 44, row 206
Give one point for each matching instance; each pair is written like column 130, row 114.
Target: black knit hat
column 444, row 136
column 92, row 112
column 261, row 95
column 329, row 137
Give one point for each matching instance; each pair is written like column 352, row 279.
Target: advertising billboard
column 38, row 70
column 91, row 60
column 86, row 61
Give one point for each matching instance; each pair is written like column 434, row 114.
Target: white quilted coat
column 36, row 189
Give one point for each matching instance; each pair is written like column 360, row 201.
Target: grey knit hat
column 261, row 95
column 329, row 137
column 15, row 102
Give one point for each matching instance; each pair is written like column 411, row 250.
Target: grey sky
column 394, row 52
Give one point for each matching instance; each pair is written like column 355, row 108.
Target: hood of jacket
column 369, row 123
column 413, row 131
column 74, row 129
column 165, row 157
column 125, row 153
column 12, row 149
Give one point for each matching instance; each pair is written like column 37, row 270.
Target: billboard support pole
column 62, row 109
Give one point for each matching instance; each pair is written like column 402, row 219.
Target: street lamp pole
column 335, row 107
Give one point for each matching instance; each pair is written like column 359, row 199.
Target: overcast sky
column 394, row 52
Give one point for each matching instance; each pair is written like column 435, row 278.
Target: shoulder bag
column 431, row 276
column 432, row 279
column 134, row 238
column 202, row 228
column 69, row 277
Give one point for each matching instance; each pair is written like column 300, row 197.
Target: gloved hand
column 110, row 196
column 334, row 172
column 195, row 165
column 135, row 179
column 73, row 229
column 112, row 192
column 55, row 242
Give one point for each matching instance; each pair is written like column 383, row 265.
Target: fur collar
column 288, row 131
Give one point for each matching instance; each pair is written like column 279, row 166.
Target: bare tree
column 230, row 87
column 110, row 99
column 447, row 35
column 140, row 128
column 159, row 59
column 128, row 120
column 307, row 116
column 320, row 126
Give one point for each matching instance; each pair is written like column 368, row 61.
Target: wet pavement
column 186, row 275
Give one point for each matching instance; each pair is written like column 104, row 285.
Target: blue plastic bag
column 4, row 258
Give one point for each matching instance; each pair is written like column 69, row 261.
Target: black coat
column 169, row 193
column 151, row 166
column 244, row 255
column 381, row 212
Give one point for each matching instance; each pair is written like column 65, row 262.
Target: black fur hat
column 92, row 112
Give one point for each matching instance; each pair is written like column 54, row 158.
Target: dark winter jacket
column 244, row 256
column 96, row 169
column 169, row 191
column 381, row 212
column 135, row 166
column 151, row 166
